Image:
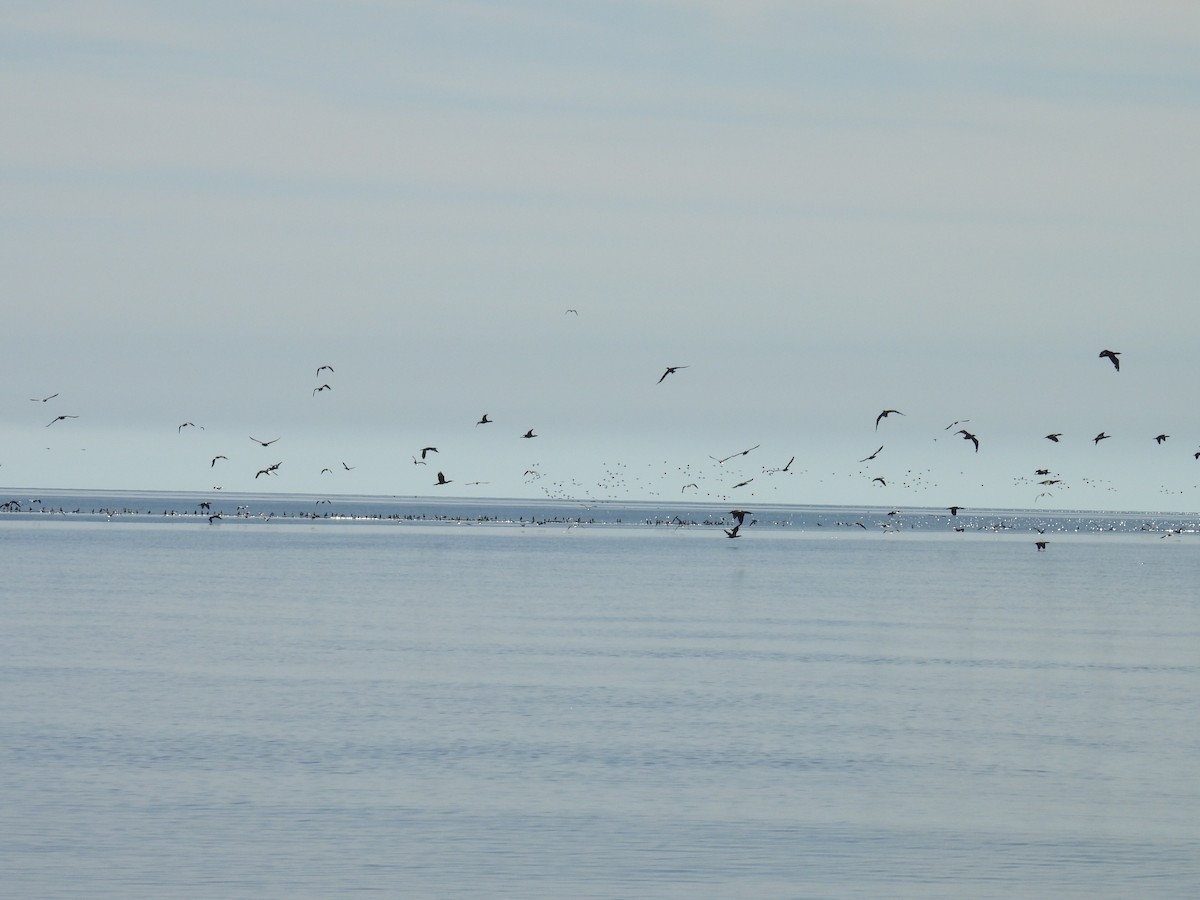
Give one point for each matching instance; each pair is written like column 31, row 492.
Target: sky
column 532, row 209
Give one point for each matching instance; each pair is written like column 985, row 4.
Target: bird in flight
column 1041, row 545
column 1112, row 355
column 880, row 480
column 59, row 419
column 485, row 420
column 956, row 422
column 269, row 470
column 884, row 415
column 784, row 469
column 872, row 456
column 1100, row 437
column 529, row 434
column 671, row 370
column 733, row 532
column 264, row 443
column 967, row 436
column 349, row 468
column 187, row 424
column 425, row 450
column 323, row 387
column 732, row 455
column 954, row 510
column 42, row 399
column 321, row 369
column 571, row 312
column 215, row 458
column 740, row 514
column 1054, row 437
column 442, row 479
column 1160, row 438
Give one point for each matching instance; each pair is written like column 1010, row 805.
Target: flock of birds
column 325, row 375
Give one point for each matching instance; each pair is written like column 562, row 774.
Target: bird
column 321, row 369
column 215, row 458
column 733, row 532
column 967, row 436
column 186, row 424
column 1054, row 437
column 349, row 468
column 215, row 517
column 529, row 434
column 59, row 419
column 323, row 387
column 442, row 479
column 884, row 415
column 327, row 471
column 671, row 370
column 419, row 462
column 740, row 514
column 264, row 443
column 269, row 470
column 954, row 510
column 1042, row 472
column 956, row 422
column 1041, row 545
column 880, row 480
column 425, row 450
column 742, row 483
column 42, row 399
column 1112, row 355
column 732, row 455
column 872, row 456
column 1100, row 437
column 571, row 312
column 484, row 421
column 1160, row 438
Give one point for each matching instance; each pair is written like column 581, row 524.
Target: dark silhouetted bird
column 59, row 419
column 1101, row 437
column 323, row 387
column 1160, row 438
column 42, row 399
column 967, row 436
column 880, row 480
column 321, row 369
column 740, row 514
column 954, row 510
column 484, row 421
column 425, row 450
column 442, row 479
column 215, row 458
column 264, row 443
column 671, row 370
column 529, row 434
column 884, row 415
column 733, row 532
column 872, row 456
column 1041, row 545
column 1112, row 355
column 1054, row 437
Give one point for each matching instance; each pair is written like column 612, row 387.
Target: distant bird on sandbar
column 954, row 510
column 740, row 514
column 442, row 479
column 1112, row 355
column 42, row 399
column 879, row 479
column 529, row 434
column 321, row 369
column 733, row 532
column 59, row 419
column 733, row 455
column 967, row 436
column 188, row 424
column 671, row 370
column 215, row 458
column 261, row 441
column 1041, row 545
column 1101, row 437
column 323, row 387
column 1054, row 437
column 1160, row 438
column 425, row 450
column 884, row 415
column 484, row 421
column 872, row 456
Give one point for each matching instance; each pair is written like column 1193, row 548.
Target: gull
column 571, row 312
column 1051, row 481
column 529, row 434
column 323, row 387
column 954, row 510
column 956, row 422
column 187, row 424
column 1041, row 545
column 872, row 456
column 784, row 469
column 419, row 462
column 740, row 514
column 216, row 517
column 215, row 458
column 884, row 415
column 682, row 489
column 1054, row 437
column 880, row 480
column 732, row 455
column 671, row 370
column 1161, row 438
column 967, row 436
column 1112, row 355
column 742, row 483
column 42, row 399
column 733, row 532
column 269, row 470
column 264, row 443
column 321, row 369
column 485, row 420
column 327, row 471
column 442, row 479
column 425, row 450
column 349, row 468
column 1042, row 472
column 59, row 419
column 1100, row 437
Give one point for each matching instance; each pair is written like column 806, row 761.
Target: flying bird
column 1160, row 438
column 269, row 470
column 732, row 455
column 571, row 312
column 1042, row 472
column 742, row 483
column 215, row 458
column 671, row 370
column 884, row 415
column 740, row 514
column 321, row 369
column 484, row 421
column 1041, row 545
column 872, row 456
column 442, row 479
column 733, row 532
column 879, row 479
column 954, row 510
column 349, row 468
column 967, row 436
column 1112, row 355
column 1054, row 437
column 425, row 450
column 529, row 434
column 323, row 387
column 42, row 399
column 59, row 419
column 187, row 424
column 264, row 443
column 1100, row 437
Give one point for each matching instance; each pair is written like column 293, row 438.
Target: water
column 461, row 705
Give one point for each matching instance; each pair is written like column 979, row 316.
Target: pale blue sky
column 822, row 209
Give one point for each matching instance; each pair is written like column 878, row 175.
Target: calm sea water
column 449, row 701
